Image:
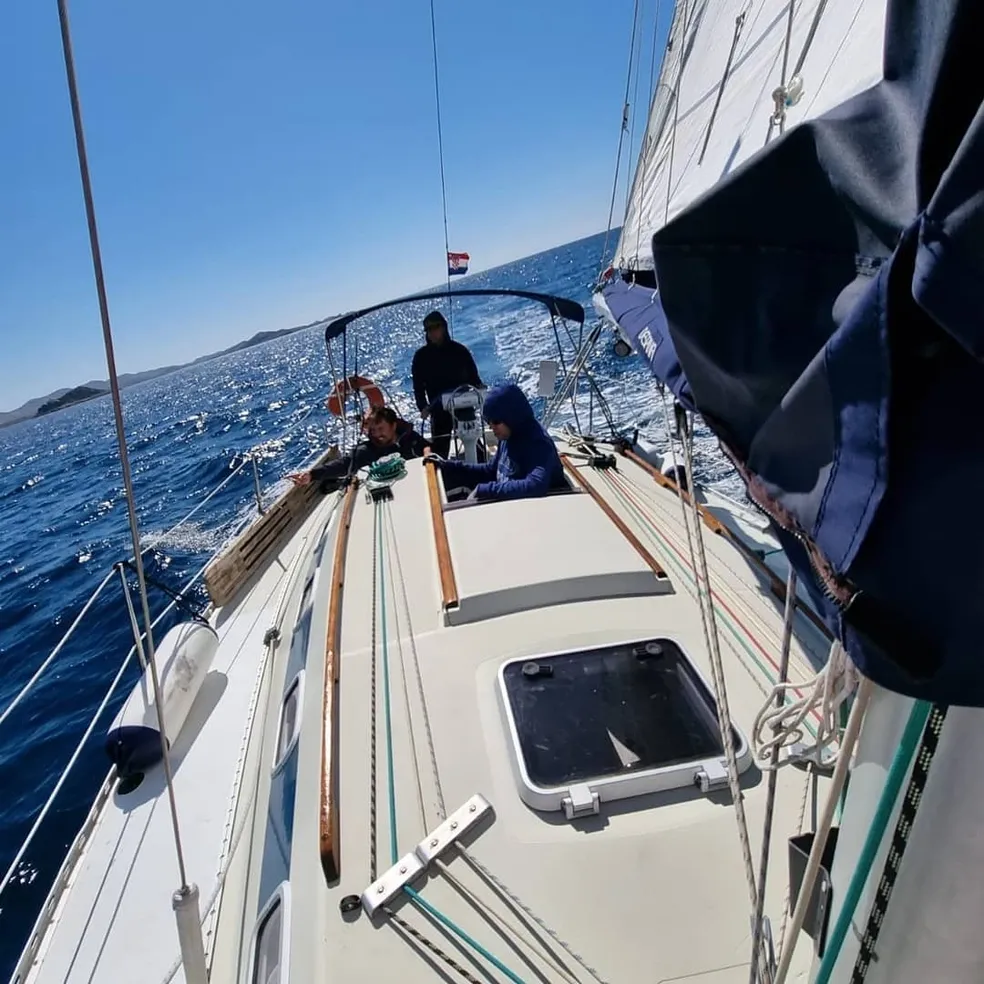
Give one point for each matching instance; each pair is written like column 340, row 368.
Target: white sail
column 735, row 49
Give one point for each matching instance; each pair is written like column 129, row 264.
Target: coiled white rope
column 782, row 726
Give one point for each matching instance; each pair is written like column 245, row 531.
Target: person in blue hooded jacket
column 526, row 463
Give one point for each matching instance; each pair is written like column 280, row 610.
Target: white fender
column 183, row 659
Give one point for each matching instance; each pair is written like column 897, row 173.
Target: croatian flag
column 457, row 263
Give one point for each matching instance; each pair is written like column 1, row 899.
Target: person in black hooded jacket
column 438, row 367
column 388, row 434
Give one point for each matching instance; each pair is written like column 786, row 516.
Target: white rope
column 778, row 726
column 698, row 557
column 691, row 490
column 823, row 828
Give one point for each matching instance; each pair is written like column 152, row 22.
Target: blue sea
column 63, row 517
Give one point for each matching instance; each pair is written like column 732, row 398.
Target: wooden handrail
column 634, row 541
column 776, row 584
column 328, row 821
column 449, row 586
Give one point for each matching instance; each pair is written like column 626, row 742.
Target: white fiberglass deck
column 501, row 569
column 650, row 888
column 653, row 887
column 114, row 923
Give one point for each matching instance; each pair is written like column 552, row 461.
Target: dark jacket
column 409, row 444
column 525, row 465
column 437, row 369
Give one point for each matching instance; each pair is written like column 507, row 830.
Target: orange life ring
column 355, row 384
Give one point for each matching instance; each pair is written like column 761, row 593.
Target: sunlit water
column 63, row 514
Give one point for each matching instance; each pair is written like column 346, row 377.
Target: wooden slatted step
column 242, row 558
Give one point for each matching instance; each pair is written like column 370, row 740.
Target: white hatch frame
column 280, row 755
column 280, row 896
column 585, row 798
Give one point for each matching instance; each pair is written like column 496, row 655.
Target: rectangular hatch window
column 616, row 721
column 269, row 962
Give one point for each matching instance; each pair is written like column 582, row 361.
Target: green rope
column 459, row 932
column 394, row 850
column 387, row 469
column 901, row 762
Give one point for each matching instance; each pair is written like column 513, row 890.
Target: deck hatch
column 616, row 721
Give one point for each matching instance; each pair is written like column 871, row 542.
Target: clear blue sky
column 260, row 165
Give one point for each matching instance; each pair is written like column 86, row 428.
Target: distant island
column 78, row 395
column 62, row 398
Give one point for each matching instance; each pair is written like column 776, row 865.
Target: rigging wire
column 440, row 151
column 652, row 55
column 107, row 331
column 621, row 135
column 652, row 97
column 676, row 111
column 698, row 559
column 632, row 121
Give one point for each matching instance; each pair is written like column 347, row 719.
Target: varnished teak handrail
column 449, row 586
column 633, row 540
column 328, row 821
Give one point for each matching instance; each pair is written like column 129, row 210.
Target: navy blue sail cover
column 639, row 313
column 826, row 302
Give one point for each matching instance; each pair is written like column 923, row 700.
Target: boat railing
column 118, row 571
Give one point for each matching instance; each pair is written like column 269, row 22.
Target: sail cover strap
column 825, row 303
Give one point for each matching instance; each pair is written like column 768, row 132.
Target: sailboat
column 580, row 737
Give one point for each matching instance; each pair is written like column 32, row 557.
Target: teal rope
column 394, row 853
column 459, row 932
column 876, row 832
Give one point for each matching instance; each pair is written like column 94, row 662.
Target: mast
column 720, row 90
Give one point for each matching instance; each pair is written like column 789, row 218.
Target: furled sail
column 715, row 104
column 825, row 303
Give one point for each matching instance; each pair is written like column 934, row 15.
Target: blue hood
column 507, row 403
